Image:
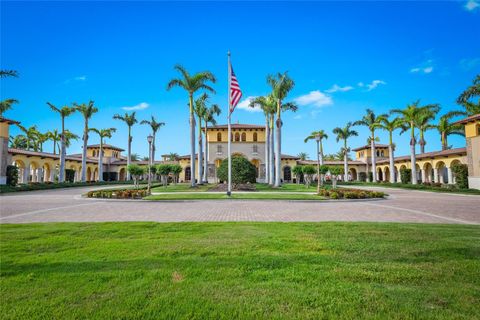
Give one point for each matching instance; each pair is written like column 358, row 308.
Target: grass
column 412, row 187
column 222, row 196
column 47, row 186
column 287, row 187
column 182, row 187
column 240, row 271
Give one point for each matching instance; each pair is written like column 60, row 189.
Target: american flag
column 235, row 92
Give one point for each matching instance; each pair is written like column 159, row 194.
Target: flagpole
column 229, row 190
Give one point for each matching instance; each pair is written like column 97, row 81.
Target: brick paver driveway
column 402, row 206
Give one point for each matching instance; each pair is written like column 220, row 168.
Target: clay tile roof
column 31, row 153
column 9, row 121
column 475, row 117
column 105, row 146
column 238, row 126
column 367, row 146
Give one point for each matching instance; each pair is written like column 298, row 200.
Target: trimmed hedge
column 344, row 193
column 406, row 175
column 460, row 172
column 12, row 176
column 118, row 194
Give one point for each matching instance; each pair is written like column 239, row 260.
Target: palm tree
column 8, row 73
column 69, row 136
column 87, row 110
column 281, row 85
column 6, row 105
column 371, row 121
column 172, row 156
column 410, row 117
column 41, row 139
column 55, row 137
column 130, row 120
column 102, row 133
column 209, row 117
column 446, row 128
column 268, row 106
column 135, row 157
column 318, row 136
column 466, row 96
column 201, row 111
column 18, row 142
column 344, row 134
column 155, row 127
column 423, row 124
column 390, row 126
column 64, row 112
column 32, row 136
column 192, row 84
column 303, row 156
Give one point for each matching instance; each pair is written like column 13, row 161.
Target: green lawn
column 288, row 187
column 182, row 187
column 185, row 187
column 240, row 271
column 410, row 186
column 223, row 196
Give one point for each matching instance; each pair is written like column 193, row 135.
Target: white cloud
column 361, row 84
column 244, row 105
column 471, row 5
column 336, row 88
column 297, row 117
column 80, row 78
column 314, row 98
column 140, row 106
column 374, row 84
column 469, row 64
column 425, row 67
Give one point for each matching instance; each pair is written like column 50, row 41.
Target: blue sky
column 343, row 56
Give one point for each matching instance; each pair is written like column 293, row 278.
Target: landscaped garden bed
column 435, row 187
column 346, row 193
column 119, row 194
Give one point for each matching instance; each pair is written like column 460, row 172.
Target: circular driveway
column 67, row 205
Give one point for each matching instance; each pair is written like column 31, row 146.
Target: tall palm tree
column 410, row 117
column 64, row 112
column 201, row 111
column 390, row 126
column 8, row 73
column 155, row 125
column 192, row 84
column 31, row 134
column 130, row 120
column 372, row 122
column 318, row 136
column 102, row 133
column 344, row 134
column 55, row 137
column 423, row 124
column 87, row 110
column 41, row 139
column 18, row 142
column 69, row 136
column 447, row 128
column 172, row 156
column 209, row 117
column 268, row 106
column 281, row 85
column 471, row 107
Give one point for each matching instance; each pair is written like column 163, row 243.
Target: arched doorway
column 379, row 174
column 22, row 178
column 353, row 173
column 89, row 174
column 442, row 173
column 188, row 174
column 256, row 163
column 453, row 163
column 427, row 167
column 386, row 174
column 287, row 174
column 121, row 174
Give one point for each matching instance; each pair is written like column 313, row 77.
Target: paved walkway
column 66, row 205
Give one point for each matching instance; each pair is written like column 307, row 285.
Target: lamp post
column 317, row 139
column 149, row 139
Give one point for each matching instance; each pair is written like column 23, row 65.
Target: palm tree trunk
column 129, row 151
column 200, row 152
column 278, row 155
column 61, row 174
column 100, row 161
column 413, row 159
column 152, row 161
column 444, row 141
column 391, row 157
column 192, row 143
column 272, row 154
column 205, row 158
column 84, row 152
column 374, row 159
column 345, row 162
column 321, row 161
column 267, row 151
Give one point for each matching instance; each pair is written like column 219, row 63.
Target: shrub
column 333, row 195
column 344, row 193
column 242, row 171
column 335, row 171
column 136, row 171
column 164, row 170
column 118, row 194
column 297, row 172
column 69, row 175
column 370, row 176
column 12, row 175
column 405, row 175
column 176, row 169
column 460, row 172
column 308, row 172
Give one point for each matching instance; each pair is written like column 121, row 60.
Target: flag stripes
column 235, row 91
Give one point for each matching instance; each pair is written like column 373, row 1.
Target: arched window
column 219, row 136
column 378, row 153
column 255, row 137
column 244, row 136
column 237, row 136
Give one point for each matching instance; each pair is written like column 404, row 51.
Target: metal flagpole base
column 229, row 193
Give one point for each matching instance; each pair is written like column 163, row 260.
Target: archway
column 188, row 174
column 442, row 173
column 21, row 171
column 255, row 137
column 244, row 136
column 219, row 136
column 386, row 174
column 453, row 163
column 287, row 174
column 379, row 174
column 427, row 167
column 89, row 174
column 237, row 136
column 395, row 174
column 419, row 173
column 353, row 174
column 121, row 174
column 47, row 173
column 33, row 171
column 256, row 163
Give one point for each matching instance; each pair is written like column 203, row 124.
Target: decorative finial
column 228, row 53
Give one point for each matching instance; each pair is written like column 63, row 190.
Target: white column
column 450, row 175
column 52, row 175
column 26, row 172
column 424, row 175
column 399, row 179
column 435, row 175
column 384, row 175
column 40, row 175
